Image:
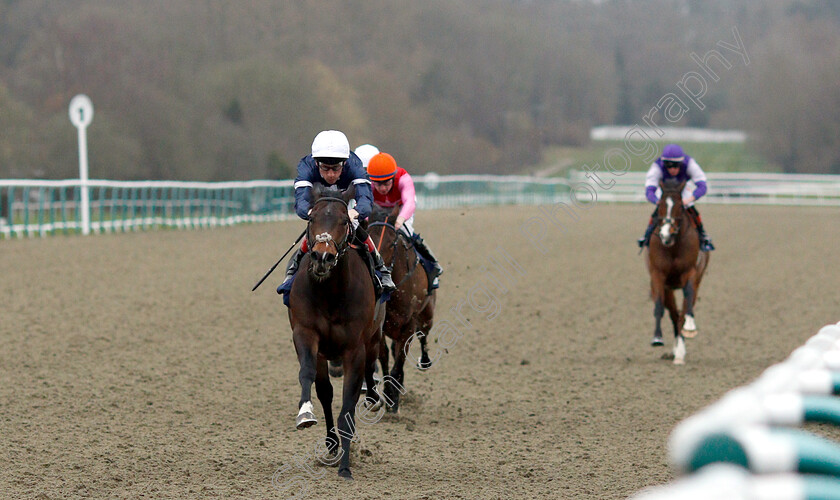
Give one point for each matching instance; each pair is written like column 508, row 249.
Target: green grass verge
column 713, row 157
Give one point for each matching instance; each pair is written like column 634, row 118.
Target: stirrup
column 387, row 283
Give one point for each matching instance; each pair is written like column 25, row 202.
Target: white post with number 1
column 81, row 114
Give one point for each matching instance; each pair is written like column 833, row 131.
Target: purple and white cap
column 673, row 152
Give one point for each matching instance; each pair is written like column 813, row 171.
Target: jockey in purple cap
column 675, row 164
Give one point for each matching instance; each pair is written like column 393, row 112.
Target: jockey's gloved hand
column 354, row 215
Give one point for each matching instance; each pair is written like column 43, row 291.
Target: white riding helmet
column 331, row 144
column 365, row 152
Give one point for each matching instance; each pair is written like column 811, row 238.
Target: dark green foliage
column 218, row 90
column 278, row 168
column 233, row 111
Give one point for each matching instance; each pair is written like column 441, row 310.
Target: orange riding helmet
column 382, row 167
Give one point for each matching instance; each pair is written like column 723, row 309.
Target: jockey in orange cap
column 392, row 185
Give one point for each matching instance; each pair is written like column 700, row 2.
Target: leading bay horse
column 675, row 261
column 334, row 316
column 411, row 307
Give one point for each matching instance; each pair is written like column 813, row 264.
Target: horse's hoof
column 345, row 473
column 689, row 329
column 679, row 361
column 305, row 417
column 364, row 386
column 657, row 341
column 424, row 365
column 305, row 420
column 372, row 405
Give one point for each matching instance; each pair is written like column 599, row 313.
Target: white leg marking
column 679, row 351
column 306, row 407
column 306, row 417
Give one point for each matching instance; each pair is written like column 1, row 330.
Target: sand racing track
column 141, row 366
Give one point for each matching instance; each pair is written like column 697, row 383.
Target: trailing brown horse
column 674, row 261
column 334, row 316
column 411, row 308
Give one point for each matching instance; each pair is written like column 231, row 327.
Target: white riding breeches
column 408, row 227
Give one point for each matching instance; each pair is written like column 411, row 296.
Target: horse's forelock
column 378, row 214
column 671, row 185
column 327, row 216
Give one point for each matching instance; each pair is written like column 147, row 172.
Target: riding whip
column 279, row 261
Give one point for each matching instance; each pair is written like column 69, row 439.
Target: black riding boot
column 291, row 269
column 705, row 241
column 645, row 240
column 386, row 281
column 427, row 254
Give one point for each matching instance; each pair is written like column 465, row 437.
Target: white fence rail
column 672, row 134
column 729, row 188
column 39, row 208
column 748, row 444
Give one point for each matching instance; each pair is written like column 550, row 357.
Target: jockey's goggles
column 671, row 164
column 330, row 164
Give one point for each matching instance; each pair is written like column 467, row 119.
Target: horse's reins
column 381, row 235
column 394, row 254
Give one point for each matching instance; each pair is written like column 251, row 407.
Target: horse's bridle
column 669, row 219
column 394, row 245
column 341, row 245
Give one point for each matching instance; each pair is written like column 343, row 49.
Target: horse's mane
column 382, row 214
column 332, row 191
column 671, row 185
column 378, row 214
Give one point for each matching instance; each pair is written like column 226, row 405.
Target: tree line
column 218, row 90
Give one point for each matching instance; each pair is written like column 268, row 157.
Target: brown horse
column 334, row 315
column 675, row 261
column 411, row 307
